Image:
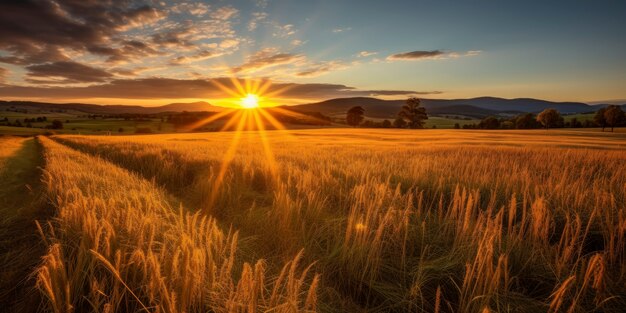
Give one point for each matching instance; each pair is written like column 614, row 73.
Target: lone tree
column 56, row 124
column 414, row 113
column 614, row 116
column 600, row 119
column 354, row 116
column 549, row 118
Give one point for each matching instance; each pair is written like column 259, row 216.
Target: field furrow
column 22, row 203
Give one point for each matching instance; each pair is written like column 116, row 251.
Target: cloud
column 432, row 55
column 197, row 9
column 200, row 56
column 364, row 54
column 3, row 74
column 130, row 49
column 257, row 17
column 322, row 68
column 174, row 37
column 29, row 29
column 284, row 31
column 166, row 88
column 261, row 3
column 64, row 72
column 341, row 30
column 416, row 55
column 224, row 13
column 267, row 58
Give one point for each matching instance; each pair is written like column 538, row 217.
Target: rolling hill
column 475, row 107
column 374, row 108
column 111, row 109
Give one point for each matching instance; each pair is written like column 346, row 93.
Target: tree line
column 611, row 116
column 413, row 115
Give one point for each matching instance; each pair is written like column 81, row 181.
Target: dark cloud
column 165, row 88
column 65, row 72
column 35, row 31
column 131, row 49
column 175, row 37
column 267, row 58
column 416, row 55
column 202, row 55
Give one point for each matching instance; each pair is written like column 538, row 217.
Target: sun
column 251, row 101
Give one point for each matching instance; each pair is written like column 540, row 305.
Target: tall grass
column 396, row 221
column 120, row 244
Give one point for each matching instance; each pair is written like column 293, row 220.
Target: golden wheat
column 402, row 220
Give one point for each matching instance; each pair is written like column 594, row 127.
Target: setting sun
column 251, row 101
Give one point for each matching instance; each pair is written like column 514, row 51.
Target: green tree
column 526, row 121
column 614, row 116
column 354, row 116
column 600, row 119
column 413, row 113
column 550, row 118
column 56, row 124
column 399, row 123
column 489, row 122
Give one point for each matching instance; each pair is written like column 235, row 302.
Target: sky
column 159, row 52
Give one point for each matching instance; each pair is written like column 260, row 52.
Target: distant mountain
column 111, row 109
column 475, row 107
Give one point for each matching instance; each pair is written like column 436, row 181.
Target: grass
column 337, row 220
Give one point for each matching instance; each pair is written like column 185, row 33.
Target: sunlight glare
column 251, row 101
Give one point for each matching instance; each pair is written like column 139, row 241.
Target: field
column 328, row 220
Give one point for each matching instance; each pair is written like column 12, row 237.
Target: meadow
column 328, row 220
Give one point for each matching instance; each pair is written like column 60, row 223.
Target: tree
column 614, row 116
column 386, row 124
column 414, row 113
column 489, row 122
column 120, row 130
column 575, row 123
column 550, row 118
column 600, row 119
column 354, row 116
column 526, row 121
column 56, row 124
column 457, row 126
column 399, row 123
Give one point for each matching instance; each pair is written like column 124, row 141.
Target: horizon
column 191, row 101
column 147, row 53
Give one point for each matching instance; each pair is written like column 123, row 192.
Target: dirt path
column 21, row 203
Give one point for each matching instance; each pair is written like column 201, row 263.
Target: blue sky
column 562, row 50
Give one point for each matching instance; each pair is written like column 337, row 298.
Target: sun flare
column 251, row 101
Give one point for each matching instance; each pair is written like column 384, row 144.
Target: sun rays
column 255, row 113
column 254, row 116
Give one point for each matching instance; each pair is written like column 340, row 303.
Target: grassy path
column 21, row 203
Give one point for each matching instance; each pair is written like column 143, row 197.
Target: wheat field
column 344, row 220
